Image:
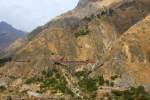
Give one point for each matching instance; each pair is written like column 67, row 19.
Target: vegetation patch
column 81, row 32
column 3, row 61
column 88, row 84
column 138, row 93
column 2, row 88
column 114, row 77
column 81, row 74
column 53, row 80
column 87, row 19
column 31, row 80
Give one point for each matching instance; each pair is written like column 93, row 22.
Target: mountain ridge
column 6, row 28
column 8, row 34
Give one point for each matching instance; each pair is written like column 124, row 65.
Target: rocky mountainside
column 102, row 49
column 8, row 34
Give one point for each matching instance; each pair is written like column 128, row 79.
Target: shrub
column 114, row 77
column 111, row 84
column 30, row 80
column 2, row 88
column 107, row 82
column 80, row 74
column 81, row 33
column 48, row 73
column 101, row 80
column 3, row 61
column 87, row 19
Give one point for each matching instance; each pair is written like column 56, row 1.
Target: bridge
column 57, row 59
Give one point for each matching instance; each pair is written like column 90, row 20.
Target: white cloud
column 28, row 14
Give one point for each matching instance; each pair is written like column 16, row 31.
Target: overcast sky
column 28, row 14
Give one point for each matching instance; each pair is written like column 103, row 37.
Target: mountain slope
column 110, row 32
column 8, row 34
column 128, row 59
column 129, row 55
column 60, row 35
